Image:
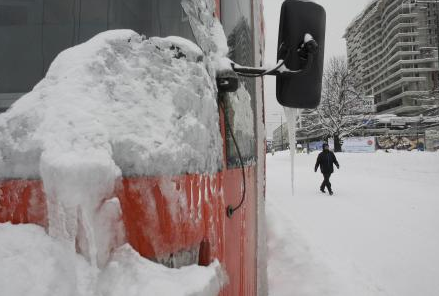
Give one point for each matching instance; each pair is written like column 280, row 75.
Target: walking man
column 325, row 160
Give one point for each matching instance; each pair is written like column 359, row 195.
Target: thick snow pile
column 33, row 263
column 377, row 235
column 119, row 103
column 129, row 274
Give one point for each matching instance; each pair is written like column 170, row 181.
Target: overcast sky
column 339, row 13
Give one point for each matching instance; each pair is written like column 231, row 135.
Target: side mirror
column 301, row 46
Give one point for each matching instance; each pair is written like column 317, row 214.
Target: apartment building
column 392, row 52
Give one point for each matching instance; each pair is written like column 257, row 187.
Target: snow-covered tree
column 341, row 111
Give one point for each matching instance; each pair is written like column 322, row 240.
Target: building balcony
column 371, row 31
column 402, row 26
column 380, row 54
column 397, row 10
column 385, row 66
column 394, row 22
column 386, row 42
column 386, row 57
column 400, row 72
column 397, row 4
column 399, row 83
column 401, row 95
column 403, row 109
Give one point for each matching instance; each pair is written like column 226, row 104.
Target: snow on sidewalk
column 34, row 263
column 379, row 234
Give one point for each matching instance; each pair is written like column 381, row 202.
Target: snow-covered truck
column 152, row 143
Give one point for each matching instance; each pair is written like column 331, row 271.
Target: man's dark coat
column 326, row 161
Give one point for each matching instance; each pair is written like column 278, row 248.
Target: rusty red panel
column 23, row 201
column 168, row 215
column 241, row 239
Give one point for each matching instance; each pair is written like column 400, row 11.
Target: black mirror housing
column 300, row 20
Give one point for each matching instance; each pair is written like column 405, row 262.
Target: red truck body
column 203, row 226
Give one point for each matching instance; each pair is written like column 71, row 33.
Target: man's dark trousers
column 326, row 182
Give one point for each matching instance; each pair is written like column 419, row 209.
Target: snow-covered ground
column 379, row 233
column 34, row 263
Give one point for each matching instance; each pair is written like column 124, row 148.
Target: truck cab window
column 236, row 17
column 34, row 32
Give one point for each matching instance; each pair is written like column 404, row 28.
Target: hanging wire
column 230, row 210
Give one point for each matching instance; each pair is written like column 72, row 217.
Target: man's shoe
column 322, row 190
column 331, row 193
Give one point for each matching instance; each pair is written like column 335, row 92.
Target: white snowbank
column 33, row 263
column 378, row 235
column 129, row 274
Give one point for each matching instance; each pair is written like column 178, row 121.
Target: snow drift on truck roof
column 142, row 107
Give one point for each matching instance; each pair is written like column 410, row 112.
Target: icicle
column 291, row 115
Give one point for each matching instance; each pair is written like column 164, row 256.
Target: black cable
column 230, row 209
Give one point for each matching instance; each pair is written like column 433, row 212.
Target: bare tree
column 341, row 111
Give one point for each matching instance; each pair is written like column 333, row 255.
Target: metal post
column 281, row 133
column 417, row 133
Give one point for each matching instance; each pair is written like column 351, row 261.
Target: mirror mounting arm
column 227, row 81
column 279, row 70
column 306, row 51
